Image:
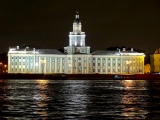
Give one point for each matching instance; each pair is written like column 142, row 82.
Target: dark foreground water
column 79, row 99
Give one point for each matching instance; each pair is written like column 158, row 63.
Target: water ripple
column 79, row 99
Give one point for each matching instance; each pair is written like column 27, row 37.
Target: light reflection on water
column 79, row 99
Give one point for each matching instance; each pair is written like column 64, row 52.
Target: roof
column 105, row 52
column 115, row 52
column 34, row 51
column 48, row 51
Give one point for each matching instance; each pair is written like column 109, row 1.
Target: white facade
column 76, row 58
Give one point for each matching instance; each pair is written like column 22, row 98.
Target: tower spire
column 77, row 20
column 77, row 39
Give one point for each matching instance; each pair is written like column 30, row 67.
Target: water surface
column 79, row 99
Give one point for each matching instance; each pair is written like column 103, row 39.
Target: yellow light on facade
column 128, row 62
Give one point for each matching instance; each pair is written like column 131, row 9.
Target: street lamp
column 5, row 68
column 128, row 62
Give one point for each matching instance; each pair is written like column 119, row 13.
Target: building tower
column 77, row 39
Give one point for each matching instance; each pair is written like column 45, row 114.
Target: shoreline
column 82, row 76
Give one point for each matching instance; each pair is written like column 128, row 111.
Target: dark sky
column 47, row 23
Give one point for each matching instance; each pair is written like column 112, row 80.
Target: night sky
column 107, row 23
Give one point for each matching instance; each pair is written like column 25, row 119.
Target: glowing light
column 42, row 81
column 128, row 62
column 36, row 64
column 128, row 84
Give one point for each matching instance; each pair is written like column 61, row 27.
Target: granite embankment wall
column 21, row 76
column 82, row 76
column 52, row 76
column 147, row 76
column 90, row 76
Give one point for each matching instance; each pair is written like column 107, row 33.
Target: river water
column 79, row 99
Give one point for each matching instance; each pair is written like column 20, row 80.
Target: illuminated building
column 76, row 58
column 117, row 62
column 155, row 61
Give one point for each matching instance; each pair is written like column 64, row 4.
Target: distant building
column 147, row 68
column 76, row 58
column 155, row 61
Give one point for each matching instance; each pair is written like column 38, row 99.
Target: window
column 98, row 64
column 108, row 64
